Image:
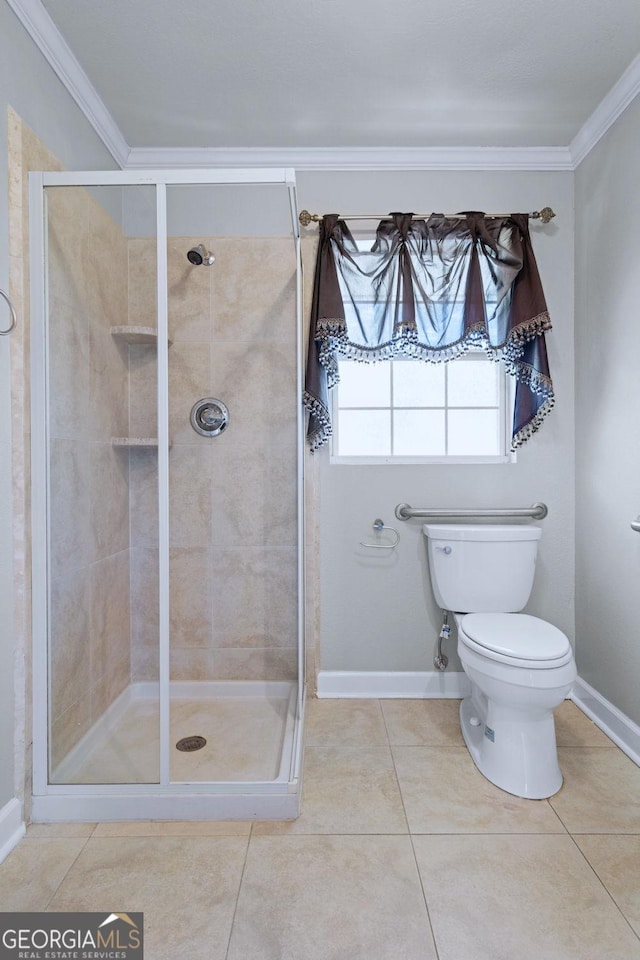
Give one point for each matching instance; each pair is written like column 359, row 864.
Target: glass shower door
column 102, row 484
column 232, row 481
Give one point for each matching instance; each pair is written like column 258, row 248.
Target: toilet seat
column 515, row 638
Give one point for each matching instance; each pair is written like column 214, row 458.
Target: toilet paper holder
column 379, row 526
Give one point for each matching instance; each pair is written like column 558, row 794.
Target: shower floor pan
column 250, row 731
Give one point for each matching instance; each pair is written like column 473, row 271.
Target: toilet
column 520, row 667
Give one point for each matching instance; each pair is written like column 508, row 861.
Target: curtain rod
column 305, row 218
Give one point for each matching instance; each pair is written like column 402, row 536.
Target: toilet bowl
column 507, row 721
column 519, row 666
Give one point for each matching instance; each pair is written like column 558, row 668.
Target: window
column 425, row 288
column 409, row 411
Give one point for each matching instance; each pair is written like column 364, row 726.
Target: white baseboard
column 12, row 828
column 392, row 684
column 617, row 725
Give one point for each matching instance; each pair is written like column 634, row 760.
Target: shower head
column 199, row 255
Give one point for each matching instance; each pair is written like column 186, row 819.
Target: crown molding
column 355, row 158
column 606, row 113
column 61, row 59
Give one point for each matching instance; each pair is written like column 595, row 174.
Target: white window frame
column 505, row 406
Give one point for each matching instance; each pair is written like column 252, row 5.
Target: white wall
column 607, row 411
column 377, row 610
column 30, row 87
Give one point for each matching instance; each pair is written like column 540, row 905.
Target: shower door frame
column 275, row 799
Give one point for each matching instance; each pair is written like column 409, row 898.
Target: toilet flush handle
column 446, row 549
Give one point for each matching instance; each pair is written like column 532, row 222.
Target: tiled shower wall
column 89, row 509
column 233, row 531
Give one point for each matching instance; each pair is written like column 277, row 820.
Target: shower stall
column 167, row 507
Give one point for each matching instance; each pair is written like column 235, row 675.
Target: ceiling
column 350, row 73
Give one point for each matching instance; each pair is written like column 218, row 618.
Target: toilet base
column 515, row 750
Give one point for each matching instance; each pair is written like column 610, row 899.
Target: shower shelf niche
column 134, row 441
column 137, row 334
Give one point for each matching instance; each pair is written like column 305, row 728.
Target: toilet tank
column 482, row 568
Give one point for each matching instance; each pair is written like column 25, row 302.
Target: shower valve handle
column 209, row 417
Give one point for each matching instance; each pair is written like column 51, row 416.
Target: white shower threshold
column 250, row 768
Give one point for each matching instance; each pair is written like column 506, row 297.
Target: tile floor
column 403, row 851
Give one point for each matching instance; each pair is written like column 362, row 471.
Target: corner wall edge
column 616, row 101
column 58, row 54
column 612, row 721
column 12, row 827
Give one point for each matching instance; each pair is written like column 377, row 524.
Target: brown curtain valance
column 430, row 289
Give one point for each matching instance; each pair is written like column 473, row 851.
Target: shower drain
column 189, row 744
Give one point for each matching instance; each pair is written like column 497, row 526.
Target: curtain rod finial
column 546, row 214
column 305, row 218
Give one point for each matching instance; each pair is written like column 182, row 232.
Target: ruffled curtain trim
column 497, row 262
column 526, row 432
column 319, row 422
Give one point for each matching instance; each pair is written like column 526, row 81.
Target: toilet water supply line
column 441, row 661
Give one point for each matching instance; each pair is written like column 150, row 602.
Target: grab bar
column 12, row 313
column 405, row 512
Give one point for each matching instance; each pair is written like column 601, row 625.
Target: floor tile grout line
column 235, row 907
column 588, row 746
column 549, row 801
column 422, row 833
column 432, row 746
column 494, row 833
column 71, row 865
column 557, row 816
column 384, row 722
column 424, row 895
column 395, row 770
column 415, row 833
column 601, row 833
column 413, row 851
column 601, row 881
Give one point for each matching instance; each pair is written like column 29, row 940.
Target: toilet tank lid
column 516, row 635
column 481, row 531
